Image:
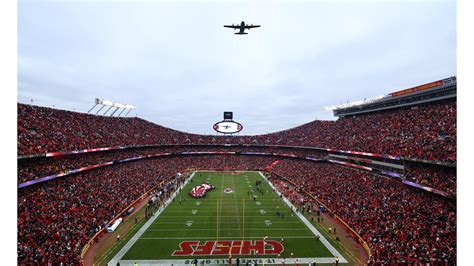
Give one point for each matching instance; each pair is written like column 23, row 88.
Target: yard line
column 235, row 203
column 261, row 197
column 297, row 222
column 233, row 238
column 210, row 211
column 147, row 224
column 269, row 200
column 243, row 217
column 256, row 229
column 217, row 219
column 225, row 216
column 315, row 231
column 221, row 261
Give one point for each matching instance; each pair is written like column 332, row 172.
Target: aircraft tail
column 238, row 33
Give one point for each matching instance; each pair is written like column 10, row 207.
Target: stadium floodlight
column 110, row 104
column 355, row 103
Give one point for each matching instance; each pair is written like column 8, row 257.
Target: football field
column 242, row 217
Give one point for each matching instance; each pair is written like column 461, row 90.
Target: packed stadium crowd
column 57, row 218
column 30, row 169
column 43, row 130
column 436, row 176
column 400, row 224
column 423, row 132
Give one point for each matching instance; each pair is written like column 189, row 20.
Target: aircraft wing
column 251, row 26
column 232, row 26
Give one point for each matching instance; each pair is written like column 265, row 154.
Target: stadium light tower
column 106, row 103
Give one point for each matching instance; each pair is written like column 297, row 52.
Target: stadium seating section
column 55, row 220
column 400, row 223
column 435, row 176
column 423, row 132
column 36, row 168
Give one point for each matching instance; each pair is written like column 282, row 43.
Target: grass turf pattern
column 226, row 216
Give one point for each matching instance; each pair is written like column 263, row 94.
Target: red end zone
column 226, row 247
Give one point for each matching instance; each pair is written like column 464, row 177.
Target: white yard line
column 224, row 261
column 211, row 239
column 194, row 223
column 309, row 225
column 236, row 205
column 142, row 230
column 255, row 229
column 209, row 212
column 233, row 216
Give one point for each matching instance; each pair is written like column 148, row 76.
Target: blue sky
column 182, row 69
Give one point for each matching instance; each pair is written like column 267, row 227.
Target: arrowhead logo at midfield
column 201, row 190
column 228, row 190
column 226, row 247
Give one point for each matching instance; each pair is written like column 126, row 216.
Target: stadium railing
column 90, row 167
column 82, row 169
column 308, row 148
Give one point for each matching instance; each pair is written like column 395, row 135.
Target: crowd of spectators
column 30, row 169
column 401, row 225
column 57, row 218
column 42, row 129
column 423, row 132
column 436, row 176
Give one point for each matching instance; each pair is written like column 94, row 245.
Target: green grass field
column 225, row 217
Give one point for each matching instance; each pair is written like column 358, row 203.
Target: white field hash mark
column 181, row 262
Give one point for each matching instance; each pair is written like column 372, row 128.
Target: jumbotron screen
column 228, row 115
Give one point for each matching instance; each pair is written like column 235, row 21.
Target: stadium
column 313, row 172
column 371, row 182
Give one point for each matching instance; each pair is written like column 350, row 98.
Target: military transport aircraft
column 241, row 27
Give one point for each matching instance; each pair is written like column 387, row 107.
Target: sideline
column 204, row 261
column 142, row 230
column 315, row 231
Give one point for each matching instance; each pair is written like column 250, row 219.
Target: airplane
column 242, row 27
column 226, row 126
